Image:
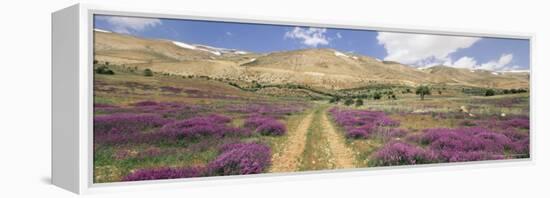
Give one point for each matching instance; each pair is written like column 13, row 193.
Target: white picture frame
column 72, row 103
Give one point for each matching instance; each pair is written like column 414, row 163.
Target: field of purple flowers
column 165, row 140
column 168, row 127
column 473, row 139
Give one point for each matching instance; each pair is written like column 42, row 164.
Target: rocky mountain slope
column 326, row 68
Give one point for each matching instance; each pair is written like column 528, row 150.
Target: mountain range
column 316, row 67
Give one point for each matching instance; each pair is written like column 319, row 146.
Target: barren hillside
column 326, row 68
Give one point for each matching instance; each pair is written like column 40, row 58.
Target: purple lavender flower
column 469, row 144
column 401, row 153
column 126, row 123
column 272, row 128
column 521, row 123
column 164, row 173
column 265, row 125
column 241, row 159
column 145, row 103
column 361, row 123
column 204, row 126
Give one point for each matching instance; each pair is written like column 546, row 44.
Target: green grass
column 125, row 88
column 317, row 153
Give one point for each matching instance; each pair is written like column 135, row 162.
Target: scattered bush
column 164, row 173
column 200, row 127
column 147, row 72
column 423, row 90
column 401, row 153
column 359, row 102
column 377, row 95
column 265, row 125
column 272, row 128
column 126, row 123
column 241, row 159
column 521, row 123
column 348, row 102
column 361, row 123
column 489, row 92
column 466, row 144
column 104, row 70
column 145, row 103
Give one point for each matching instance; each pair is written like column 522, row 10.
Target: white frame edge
column 72, row 101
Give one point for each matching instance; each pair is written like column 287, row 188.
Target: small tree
column 147, row 72
column 359, row 102
column 348, row 102
column 489, row 92
column 104, row 70
column 377, row 96
column 423, row 90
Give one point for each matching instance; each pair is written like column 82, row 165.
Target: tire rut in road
column 289, row 159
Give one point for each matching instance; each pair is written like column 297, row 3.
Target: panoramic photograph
column 176, row 98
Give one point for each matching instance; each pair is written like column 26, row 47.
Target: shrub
column 241, row 159
column 522, row 123
column 361, row 123
column 377, row 96
column 359, row 102
column 104, row 70
column 174, row 90
column 423, row 90
column 126, row 123
column 489, row 92
column 147, row 72
column 200, row 127
column 164, row 173
column 348, row 102
column 466, row 144
column 254, row 121
column 401, row 153
column 145, row 103
column 272, row 128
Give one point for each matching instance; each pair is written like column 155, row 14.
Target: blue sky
column 417, row 50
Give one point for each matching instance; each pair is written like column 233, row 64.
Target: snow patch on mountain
column 337, row 53
column 100, row 30
column 517, row 71
column 184, row 45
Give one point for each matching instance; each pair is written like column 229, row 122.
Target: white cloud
column 311, row 37
column 422, row 49
column 499, row 64
column 128, row 24
column 338, row 35
column 502, row 64
column 465, row 62
column 228, row 33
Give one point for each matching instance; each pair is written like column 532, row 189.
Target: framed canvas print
column 150, row 97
